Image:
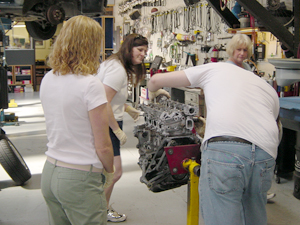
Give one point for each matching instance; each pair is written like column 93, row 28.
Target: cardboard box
column 28, row 88
column 144, row 93
column 26, row 72
column 18, row 89
column 144, row 101
column 26, row 81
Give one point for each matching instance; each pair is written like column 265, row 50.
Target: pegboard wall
column 176, row 29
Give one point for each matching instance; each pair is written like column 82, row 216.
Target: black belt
column 229, row 138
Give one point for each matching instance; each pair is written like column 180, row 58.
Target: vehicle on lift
column 41, row 17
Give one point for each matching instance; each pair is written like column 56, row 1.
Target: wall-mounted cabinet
column 21, row 67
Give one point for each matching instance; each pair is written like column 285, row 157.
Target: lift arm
column 273, row 25
column 270, row 22
column 226, row 15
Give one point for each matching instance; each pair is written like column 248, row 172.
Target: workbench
column 289, row 145
column 290, row 112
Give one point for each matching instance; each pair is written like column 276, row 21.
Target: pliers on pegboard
column 193, row 58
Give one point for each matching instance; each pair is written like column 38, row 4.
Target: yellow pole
column 193, row 195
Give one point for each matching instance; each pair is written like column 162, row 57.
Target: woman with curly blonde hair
column 75, row 109
column 76, row 50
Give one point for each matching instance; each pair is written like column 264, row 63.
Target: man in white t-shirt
column 240, row 143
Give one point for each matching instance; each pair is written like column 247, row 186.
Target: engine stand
column 193, row 195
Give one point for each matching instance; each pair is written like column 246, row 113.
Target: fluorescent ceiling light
column 19, row 25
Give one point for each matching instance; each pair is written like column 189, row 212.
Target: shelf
column 42, row 67
column 23, row 77
column 17, row 84
column 246, row 30
column 16, row 78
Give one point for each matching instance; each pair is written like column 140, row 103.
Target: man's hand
column 121, row 136
column 200, row 124
column 153, row 95
column 134, row 113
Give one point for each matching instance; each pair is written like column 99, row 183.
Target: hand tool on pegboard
column 193, row 58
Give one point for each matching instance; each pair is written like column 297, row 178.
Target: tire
column 13, row 163
column 39, row 32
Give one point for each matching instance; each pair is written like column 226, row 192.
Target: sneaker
column 270, row 195
column 113, row 216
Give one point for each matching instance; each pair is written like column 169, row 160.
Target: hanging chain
column 192, row 18
column 176, row 19
column 185, row 19
column 215, row 22
column 198, row 15
column 208, row 18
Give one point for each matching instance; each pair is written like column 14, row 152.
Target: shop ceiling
column 291, row 41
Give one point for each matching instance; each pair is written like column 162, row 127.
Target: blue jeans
column 233, row 185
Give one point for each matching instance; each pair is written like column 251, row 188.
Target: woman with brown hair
column 125, row 66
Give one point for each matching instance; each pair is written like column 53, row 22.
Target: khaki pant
column 73, row 196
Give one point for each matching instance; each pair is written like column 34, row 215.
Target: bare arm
column 110, row 94
column 99, row 122
column 171, row 79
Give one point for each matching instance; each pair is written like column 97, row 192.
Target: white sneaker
column 113, row 216
column 270, row 195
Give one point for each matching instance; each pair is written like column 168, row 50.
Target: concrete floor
column 25, row 205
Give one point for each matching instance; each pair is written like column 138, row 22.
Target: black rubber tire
column 13, row 163
column 36, row 31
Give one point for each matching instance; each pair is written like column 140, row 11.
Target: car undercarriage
column 41, row 17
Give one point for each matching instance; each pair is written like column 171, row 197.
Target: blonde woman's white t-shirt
column 66, row 101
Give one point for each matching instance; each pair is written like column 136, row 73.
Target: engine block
column 167, row 123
